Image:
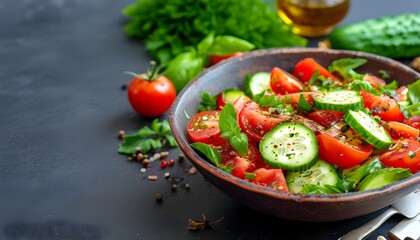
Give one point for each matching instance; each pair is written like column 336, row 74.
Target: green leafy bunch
column 167, row 27
column 147, row 139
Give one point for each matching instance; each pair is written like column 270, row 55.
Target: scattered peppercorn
column 124, row 87
column 159, row 197
column 163, row 164
column 181, row 157
column 174, row 187
column 171, row 162
column 187, row 186
column 167, row 175
column 121, row 134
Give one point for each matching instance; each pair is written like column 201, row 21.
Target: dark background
column 61, row 106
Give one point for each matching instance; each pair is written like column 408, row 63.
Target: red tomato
column 243, row 164
column 305, row 68
column 151, row 97
column 374, row 80
column 273, row 178
column 404, row 154
column 383, row 106
column 326, row 117
column 345, row 151
column 204, row 127
column 254, row 123
column 399, row 130
column 282, row 82
column 296, row 96
column 413, row 121
column 221, row 100
column 239, row 166
column 214, row 59
column 401, row 94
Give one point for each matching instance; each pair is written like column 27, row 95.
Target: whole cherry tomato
column 151, row 95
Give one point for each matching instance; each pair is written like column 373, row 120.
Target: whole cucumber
column 395, row 36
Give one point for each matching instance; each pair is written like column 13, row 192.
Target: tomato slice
column 383, row 106
column 273, row 178
column 326, row 117
column 204, row 127
column 309, row 96
column 243, row 164
column 306, row 67
column 255, row 124
column 345, row 150
column 374, row 80
column 282, row 82
column 404, row 154
column 413, row 121
column 401, row 94
column 214, row 59
column 399, row 130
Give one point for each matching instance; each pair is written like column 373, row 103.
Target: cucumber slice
column 290, row 146
column 383, row 177
column 340, row 100
column 370, row 130
column 321, row 173
column 232, row 94
column 257, row 83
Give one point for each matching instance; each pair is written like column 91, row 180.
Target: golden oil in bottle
column 312, row 18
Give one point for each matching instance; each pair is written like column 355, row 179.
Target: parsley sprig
column 147, row 139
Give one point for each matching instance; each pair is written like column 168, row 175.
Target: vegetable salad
column 315, row 129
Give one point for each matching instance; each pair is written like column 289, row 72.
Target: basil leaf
column 203, row 47
column 414, row 92
column 208, row 102
column 148, row 139
column 211, row 153
column 132, row 142
column 363, row 85
column 183, row 68
column 239, row 142
column 346, row 66
column 228, row 122
column 303, row 104
column 270, row 100
column 226, row 44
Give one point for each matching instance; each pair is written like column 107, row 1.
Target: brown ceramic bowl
column 306, row 207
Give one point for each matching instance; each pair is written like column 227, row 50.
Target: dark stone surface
column 61, row 71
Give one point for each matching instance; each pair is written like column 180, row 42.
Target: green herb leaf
column 226, row 44
column 211, row 153
column 239, row 142
column 148, row 139
column 303, row 104
column 208, row 102
column 414, row 92
column 228, row 122
column 270, row 100
column 167, row 27
column 363, row 85
column 229, row 127
column 184, row 68
column 346, row 66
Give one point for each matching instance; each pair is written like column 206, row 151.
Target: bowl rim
column 199, row 161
